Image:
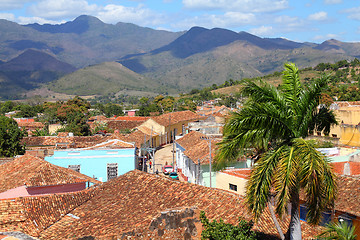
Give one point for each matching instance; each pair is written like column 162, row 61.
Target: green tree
column 275, row 122
column 10, row 137
column 224, row 231
column 338, row 231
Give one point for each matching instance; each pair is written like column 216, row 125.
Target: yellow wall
column 347, row 129
column 151, row 124
column 223, row 180
column 350, row 135
column 54, row 127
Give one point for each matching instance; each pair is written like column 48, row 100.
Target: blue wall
column 93, row 163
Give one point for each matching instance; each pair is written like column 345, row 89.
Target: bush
column 219, row 230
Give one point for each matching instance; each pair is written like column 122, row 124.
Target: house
column 103, row 161
column 193, row 161
column 32, row 176
column 233, row 179
column 29, row 125
column 166, row 127
column 346, row 204
column 209, row 126
column 139, row 205
column 120, row 123
column 347, row 132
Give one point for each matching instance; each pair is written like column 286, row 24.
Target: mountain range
column 88, row 57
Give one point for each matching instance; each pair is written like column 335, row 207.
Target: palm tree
column 339, row 231
column 274, row 122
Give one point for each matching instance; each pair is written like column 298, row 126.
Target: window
column 233, row 187
column 347, row 218
column 303, row 212
column 112, row 170
column 76, row 168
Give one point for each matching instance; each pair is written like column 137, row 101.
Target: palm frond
column 316, row 178
column 285, row 179
column 338, row 230
column 260, row 182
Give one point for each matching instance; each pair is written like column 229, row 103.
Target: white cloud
column 138, row 15
column 12, row 4
column 244, row 6
column 28, row 20
column 332, row 1
column 325, row 37
column 56, row 9
column 7, row 16
column 354, row 13
column 227, row 20
column 262, row 31
column 319, row 16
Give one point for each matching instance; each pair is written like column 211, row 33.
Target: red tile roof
column 338, row 167
column 348, row 199
column 239, row 172
column 175, row 117
column 32, row 215
column 132, row 118
column 128, row 205
column 136, row 137
column 197, row 148
column 32, row 171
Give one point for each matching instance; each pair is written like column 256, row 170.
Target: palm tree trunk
column 277, row 225
column 295, row 226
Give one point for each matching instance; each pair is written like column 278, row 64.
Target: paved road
column 163, row 156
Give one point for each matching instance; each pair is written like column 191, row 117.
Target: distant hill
column 32, row 60
column 83, row 41
column 148, row 60
column 28, row 71
column 202, row 57
column 103, row 79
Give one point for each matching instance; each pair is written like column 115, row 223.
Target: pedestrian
column 150, row 163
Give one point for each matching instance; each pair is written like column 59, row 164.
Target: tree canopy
column 274, row 122
column 10, row 137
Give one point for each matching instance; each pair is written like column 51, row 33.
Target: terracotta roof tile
column 33, row 171
column 239, row 172
column 175, row 117
column 132, row 118
column 338, row 167
column 137, row 137
column 123, row 124
column 197, row 148
column 31, row 124
column 31, row 215
column 128, row 204
column 348, row 199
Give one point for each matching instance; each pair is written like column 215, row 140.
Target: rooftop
column 175, row 117
column 33, row 171
column 128, row 205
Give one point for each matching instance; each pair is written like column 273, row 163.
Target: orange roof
column 238, row 172
column 33, row 171
column 197, row 148
column 348, row 199
column 175, row 117
column 338, row 167
column 132, row 118
column 31, row 124
column 129, row 204
column 31, row 215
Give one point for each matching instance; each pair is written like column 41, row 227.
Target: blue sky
column 297, row 20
